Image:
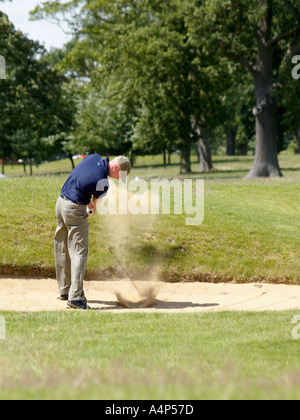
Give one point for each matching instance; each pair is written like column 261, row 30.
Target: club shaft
column 124, row 269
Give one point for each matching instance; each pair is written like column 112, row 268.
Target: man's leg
column 62, row 257
column 78, row 243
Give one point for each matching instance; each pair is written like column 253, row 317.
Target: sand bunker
column 41, row 295
column 136, row 295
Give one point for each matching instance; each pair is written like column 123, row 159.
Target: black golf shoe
column 79, row 304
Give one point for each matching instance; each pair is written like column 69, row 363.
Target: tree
column 288, row 102
column 156, row 128
column 102, row 124
column 6, row 94
column 62, row 137
column 237, row 113
column 144, row 50
column 258, row 35
column 34, row 102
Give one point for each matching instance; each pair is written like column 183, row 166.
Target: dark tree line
column 146, row 76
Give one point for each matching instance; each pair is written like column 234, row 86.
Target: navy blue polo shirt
column 83, row 182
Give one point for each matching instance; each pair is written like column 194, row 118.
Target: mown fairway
column 107, row 356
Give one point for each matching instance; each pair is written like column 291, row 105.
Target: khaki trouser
column 71, row 244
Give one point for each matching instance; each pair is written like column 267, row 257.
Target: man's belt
column 75, row 202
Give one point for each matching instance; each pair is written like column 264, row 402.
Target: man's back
column 82, row 183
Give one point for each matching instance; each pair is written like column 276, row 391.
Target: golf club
column 124, row 269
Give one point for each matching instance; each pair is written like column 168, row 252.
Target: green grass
column 251, row 232
column 97, row 355
column 225, row 168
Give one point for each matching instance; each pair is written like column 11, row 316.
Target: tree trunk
column 243, row 149
column 266, row 162
column 266, row 154
column 70, row 156
column 204, row 152
column 203, row 146
column 298, row 141
column 3, row 163
column 165, row 157
column 280, row 129
column 266, row 158
column 132, row 158
column 186, row 158
column 231, row 140
column 185, row 149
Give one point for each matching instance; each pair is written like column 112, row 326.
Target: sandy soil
column 41, row 295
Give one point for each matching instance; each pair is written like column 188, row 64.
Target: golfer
column 85, row 187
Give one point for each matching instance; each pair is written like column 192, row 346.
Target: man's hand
column 92, row 207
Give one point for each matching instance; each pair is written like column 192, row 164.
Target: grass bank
column 251, row 231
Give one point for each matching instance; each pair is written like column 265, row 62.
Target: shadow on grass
column 151, row 255
column 247, row 159
column 290, row 169
column 27, row 271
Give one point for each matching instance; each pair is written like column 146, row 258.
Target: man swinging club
column 72, row 234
